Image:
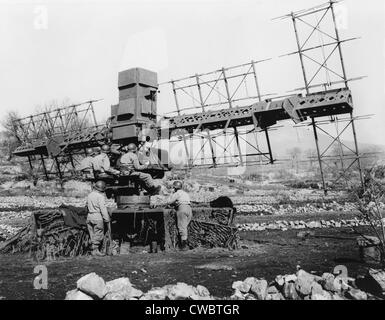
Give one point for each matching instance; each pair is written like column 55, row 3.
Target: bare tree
column 295, row 155
column 11, row 140
column 370, row 201
column 311, row 154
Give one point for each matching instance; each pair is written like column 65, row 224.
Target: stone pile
column 300, row 286
column 40, row 202
column 265, row 209
column 284, row 225
column 93, row 287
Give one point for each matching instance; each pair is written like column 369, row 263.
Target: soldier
column 86, row 165
column 130, row 163
column 181, row 201
column 101, row 163
column 97, row 215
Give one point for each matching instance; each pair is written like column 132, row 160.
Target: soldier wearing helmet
column 86, row 167
column 97, row 216
column 181, row 201
column 130, row 164
column 101, row 163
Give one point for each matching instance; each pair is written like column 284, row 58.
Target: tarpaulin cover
column 74, row 217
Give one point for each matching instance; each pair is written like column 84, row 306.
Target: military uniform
column 86, row 168
column 130, row 162
column 101, row 165
column 97, row 215
column 181, row 200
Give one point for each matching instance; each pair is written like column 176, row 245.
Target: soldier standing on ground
column 181, row 201
column 97, row 216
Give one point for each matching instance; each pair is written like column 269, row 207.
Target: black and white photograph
column 220, row 152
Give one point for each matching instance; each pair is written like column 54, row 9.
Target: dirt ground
column 262, row 254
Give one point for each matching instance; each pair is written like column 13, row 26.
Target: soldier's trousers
column 183, row 215
column 96, row 231
column 145, row 178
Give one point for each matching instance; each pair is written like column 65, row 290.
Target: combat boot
column 184, row 246
column 97, row 253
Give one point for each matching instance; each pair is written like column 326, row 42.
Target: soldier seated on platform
column 101, row 163
column 86, row 167
column 130, row 165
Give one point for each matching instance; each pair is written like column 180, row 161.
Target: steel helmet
column 89, row 151
column 97, row 150
column 100, row 186
column 106, row 148
column 177, row 185
column 131, row 147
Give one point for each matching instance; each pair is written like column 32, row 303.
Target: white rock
column 275, row 296
column 280, row 280
column 118, row 285
column 181, row 291
column 241, row 286
column 304, row 282
column 114, row 296
column 259, row 289
column 155, row 294
column 202, row 291
column 290, row 278
column 289, row 291
column 77, row 295
column 92, row 285
column 238, row 295
column 322, row 296
column 329, row 283
column 356, row 294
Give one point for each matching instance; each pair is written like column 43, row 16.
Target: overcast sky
column 75, row 49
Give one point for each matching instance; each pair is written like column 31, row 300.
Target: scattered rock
column 304, row 282
column 241, row 286
column 324, row 295
column 289, row 291
column 238, row 295
column 329, row 283
column 180, row 291
column 259, row 289
column 290, row 278
column 155, row 294
column 250, row 296
column 77, row 295
column 316, row 289
column 114, row 296
column 92, row 285
column 275, row 296
column 336, row 296
column 272, row 290
column 357, row 294
column 202, row 291
column 118, row 285
column 280, row 281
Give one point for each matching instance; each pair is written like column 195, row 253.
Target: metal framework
column 213, row 92
column 49, row 138
column 323, row 67
column 223, row 118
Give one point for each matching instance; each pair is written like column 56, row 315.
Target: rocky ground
column 263, row 254
column 280, row 228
